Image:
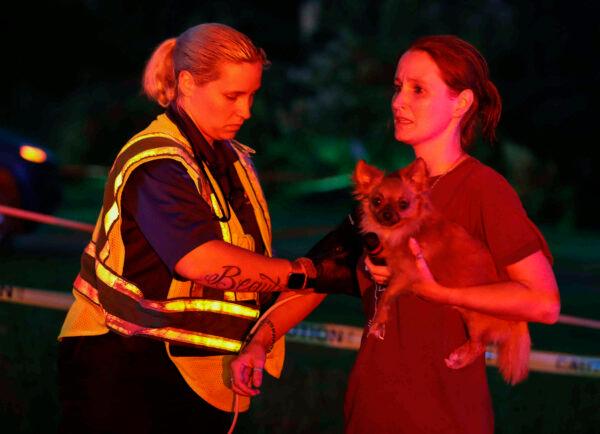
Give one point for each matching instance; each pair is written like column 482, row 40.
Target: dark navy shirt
column 164, row 217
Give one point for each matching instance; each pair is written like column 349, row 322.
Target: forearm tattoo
column 268, row 322
column 229, row 280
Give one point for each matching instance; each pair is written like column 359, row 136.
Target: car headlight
column 33, row 154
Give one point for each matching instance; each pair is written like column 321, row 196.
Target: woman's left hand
column 426, row 286
column 247, row 370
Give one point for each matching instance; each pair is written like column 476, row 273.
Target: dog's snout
column 387, row 216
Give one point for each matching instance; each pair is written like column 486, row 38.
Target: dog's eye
column 403, row 204
column 376, row 201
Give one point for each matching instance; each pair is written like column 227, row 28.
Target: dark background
column 71, row 73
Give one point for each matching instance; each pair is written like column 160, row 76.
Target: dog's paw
column 453, row 361
column 464, row 355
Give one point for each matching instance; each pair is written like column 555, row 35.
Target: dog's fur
column 397, row 207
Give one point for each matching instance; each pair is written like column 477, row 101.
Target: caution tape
column 349, row 337
column 556, row 363
column 581, row 322
column 36, row 297
column 339, row 336
column 328, row 335
column 45, row 218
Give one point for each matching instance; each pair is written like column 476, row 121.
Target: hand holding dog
column 380, row 274
column 425, row 286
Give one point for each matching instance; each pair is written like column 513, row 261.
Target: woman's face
column 422, row 105
column 220, row 107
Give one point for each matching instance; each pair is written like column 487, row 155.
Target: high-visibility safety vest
column 190, row 314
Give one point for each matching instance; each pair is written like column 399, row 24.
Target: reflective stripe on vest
column 192, row 321
column 171, row 334
column 169, row 305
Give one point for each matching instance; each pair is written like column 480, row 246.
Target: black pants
column 114, row 384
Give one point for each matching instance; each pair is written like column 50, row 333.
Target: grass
column 309, row 396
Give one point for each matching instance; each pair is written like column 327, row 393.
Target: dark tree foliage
column 72, row 71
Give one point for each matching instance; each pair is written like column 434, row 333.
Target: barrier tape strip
column 44, row 218
column 36, row 297
column 557, row 363
column 581, row 322
column 349, row 337
column 281, row 233
column 341, row 336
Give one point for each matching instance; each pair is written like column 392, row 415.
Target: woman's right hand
column 247, row 370
column 335, row 257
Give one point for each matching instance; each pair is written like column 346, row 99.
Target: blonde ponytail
column 159, row 82
column 200, row 50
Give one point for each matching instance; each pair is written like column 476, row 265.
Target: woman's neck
column 180, row 106
column 440, row 156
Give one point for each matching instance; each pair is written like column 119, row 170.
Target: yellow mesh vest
column 209, row 377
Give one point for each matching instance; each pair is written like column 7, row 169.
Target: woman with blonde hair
column 178, row 269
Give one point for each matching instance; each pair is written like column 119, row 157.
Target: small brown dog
column 397, row 207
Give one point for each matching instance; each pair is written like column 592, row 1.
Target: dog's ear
column 365, row 177
column 417, row 173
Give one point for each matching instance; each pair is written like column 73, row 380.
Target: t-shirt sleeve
column 509, row 233
column 162, row 199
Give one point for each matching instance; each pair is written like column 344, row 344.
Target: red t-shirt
column 401, row 384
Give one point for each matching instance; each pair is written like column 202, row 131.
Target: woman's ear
column 185, row 83
column 464, row 101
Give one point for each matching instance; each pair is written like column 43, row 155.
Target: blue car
column 29, row 179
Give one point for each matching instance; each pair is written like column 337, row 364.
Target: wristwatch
column 302, row 275
column 296, row 280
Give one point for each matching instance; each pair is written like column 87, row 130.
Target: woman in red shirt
column 443, row 97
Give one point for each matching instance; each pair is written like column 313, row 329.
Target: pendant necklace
column 456, row 162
